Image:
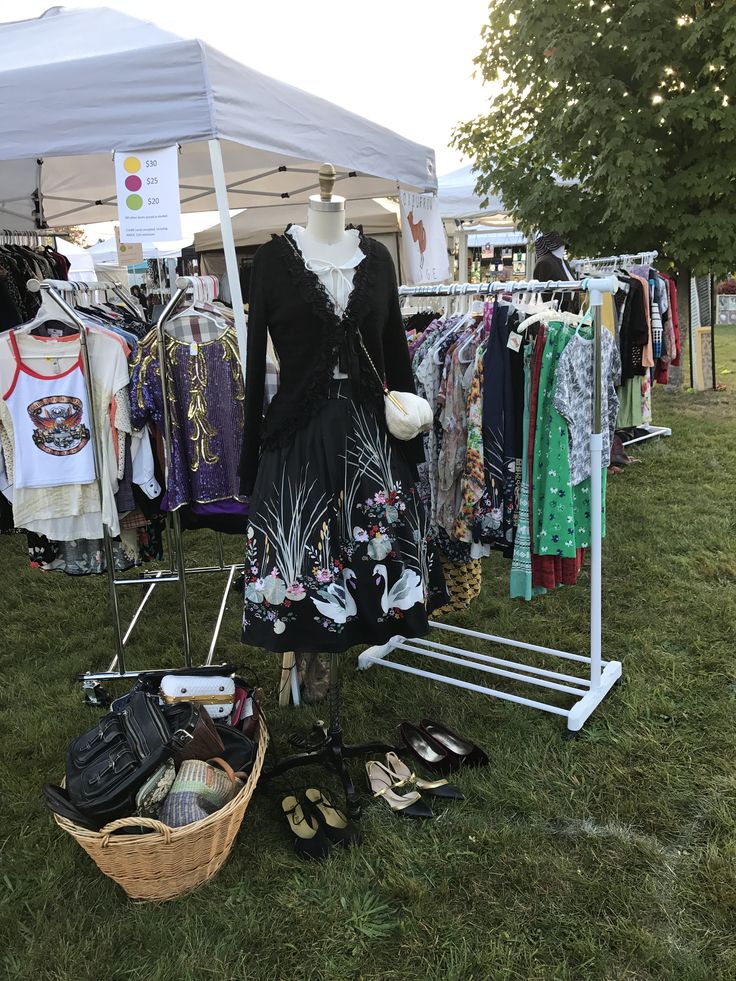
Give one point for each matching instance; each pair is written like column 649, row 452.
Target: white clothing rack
column 608, row 264
column 625, row 260
column 587, row 690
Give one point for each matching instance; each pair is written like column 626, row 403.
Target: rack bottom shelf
column 587, row 695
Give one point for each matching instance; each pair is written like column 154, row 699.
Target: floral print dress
column 339, row 551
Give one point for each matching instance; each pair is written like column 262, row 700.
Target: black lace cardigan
column 288, row 301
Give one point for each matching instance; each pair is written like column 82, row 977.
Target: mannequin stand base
column 332, row 753
column 325, row 747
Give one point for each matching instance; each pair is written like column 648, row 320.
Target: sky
column 406, row 64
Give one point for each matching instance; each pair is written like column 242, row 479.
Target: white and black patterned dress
column 338, row 552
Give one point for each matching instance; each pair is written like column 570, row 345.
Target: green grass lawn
column 609, row 857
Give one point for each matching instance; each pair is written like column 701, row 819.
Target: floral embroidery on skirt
column 339, row 551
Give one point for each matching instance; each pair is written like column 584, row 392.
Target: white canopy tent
column 106, row 253
column 82, row 267
column 67, row 105
column 459, row 202
column 256, row 225
column 466, row 218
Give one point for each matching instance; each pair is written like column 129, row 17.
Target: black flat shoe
column 334, row 822
column 468, row 753
column 430, row 753
column 309, row 839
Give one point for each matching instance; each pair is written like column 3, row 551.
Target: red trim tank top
column 52, row 431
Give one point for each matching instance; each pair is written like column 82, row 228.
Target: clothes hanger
column 193, row 311
column 47, row 312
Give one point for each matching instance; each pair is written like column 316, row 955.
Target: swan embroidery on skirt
column 339, row 544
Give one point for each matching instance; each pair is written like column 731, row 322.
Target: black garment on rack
column 18, row 264
column 634, row 330
column 550, row 267
column 419, row 321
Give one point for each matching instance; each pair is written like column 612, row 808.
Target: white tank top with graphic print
column 51, row 425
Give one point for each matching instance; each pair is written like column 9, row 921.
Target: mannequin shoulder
column 378, row 251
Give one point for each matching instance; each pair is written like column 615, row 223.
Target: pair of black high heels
column 316, row 824
column 439, row 749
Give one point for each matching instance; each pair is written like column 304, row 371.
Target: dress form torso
column 560, row 253
column 330, row 251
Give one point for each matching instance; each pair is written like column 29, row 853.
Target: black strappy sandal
column 309, row 839
column 334, row 822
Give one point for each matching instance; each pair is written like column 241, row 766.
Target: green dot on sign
column 134, row 202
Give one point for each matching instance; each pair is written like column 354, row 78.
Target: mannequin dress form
column 332, row 253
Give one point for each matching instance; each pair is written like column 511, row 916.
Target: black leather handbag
column 106, row 766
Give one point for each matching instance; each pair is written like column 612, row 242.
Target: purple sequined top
column 206, row 398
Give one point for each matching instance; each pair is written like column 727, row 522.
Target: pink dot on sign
column 133, row 183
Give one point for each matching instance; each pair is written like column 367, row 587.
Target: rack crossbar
column 508, row 642
column 488, row 668
column 471, row 686
column 487, row 659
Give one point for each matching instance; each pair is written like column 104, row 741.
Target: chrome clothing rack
column 177, row 572
column 598, row 676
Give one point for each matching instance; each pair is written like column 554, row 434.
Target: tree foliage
column 615, row 123
column 74, row 233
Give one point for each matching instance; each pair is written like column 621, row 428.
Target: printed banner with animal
column 423, row 242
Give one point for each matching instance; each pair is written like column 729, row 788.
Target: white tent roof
column 83, row 83
column 456, row 192
column 106, row 253
column 495, row 236
column 256, row 225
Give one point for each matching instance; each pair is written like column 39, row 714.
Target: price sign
column 147, row 185
column 130, row 253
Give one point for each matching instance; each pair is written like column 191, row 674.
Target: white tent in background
column 141, row 88
column 458, row 200
column 256, row 225
column 82, row 266
column 469, row 222
column 106, row 253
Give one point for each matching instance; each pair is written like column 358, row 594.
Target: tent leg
column 462, row 257
column 228, row 245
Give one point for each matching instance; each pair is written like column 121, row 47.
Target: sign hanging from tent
column 423, row 243
column 147, row 184
column 130, row 254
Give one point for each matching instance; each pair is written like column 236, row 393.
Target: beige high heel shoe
column 403, row 776
column 380, row 781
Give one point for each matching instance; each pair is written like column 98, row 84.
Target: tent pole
column 462, row 257
column 228, row 245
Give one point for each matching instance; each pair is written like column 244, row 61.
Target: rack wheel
column 95, row 694
column 570, row 734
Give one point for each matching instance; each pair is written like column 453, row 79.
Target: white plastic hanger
column 192, row 311
column 46, row 312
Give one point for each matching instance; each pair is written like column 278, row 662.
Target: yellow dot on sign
column 123, row 248
column 132, row 165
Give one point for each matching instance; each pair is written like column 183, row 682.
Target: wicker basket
column 174, row 861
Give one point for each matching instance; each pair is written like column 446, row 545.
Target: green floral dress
column 561, row 512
